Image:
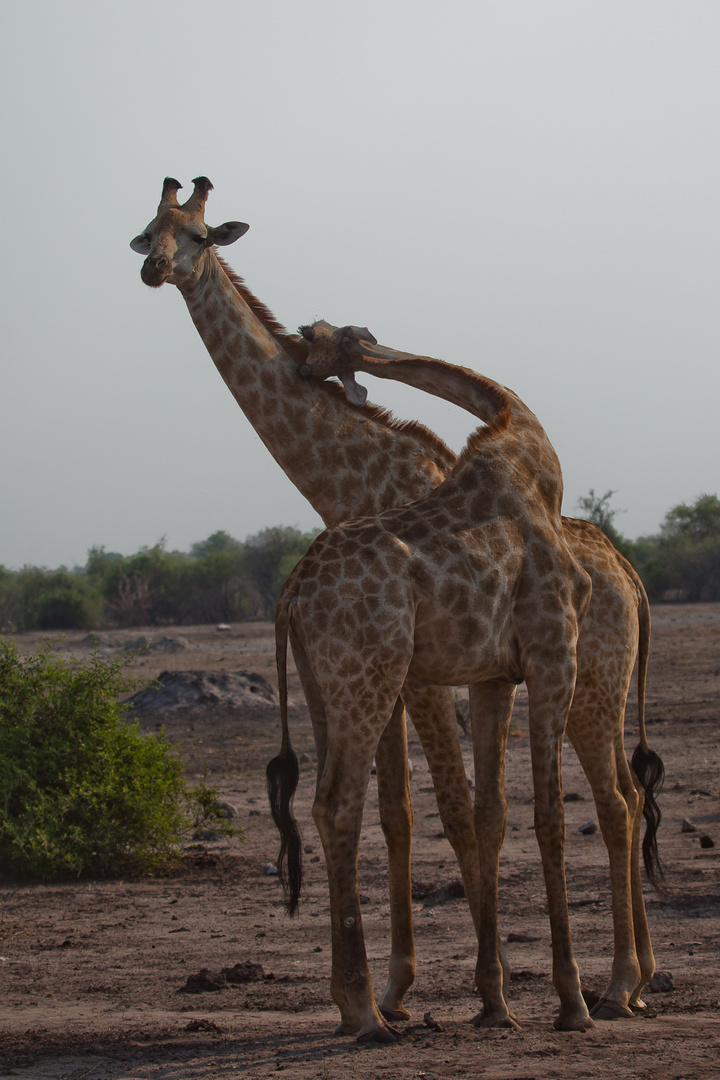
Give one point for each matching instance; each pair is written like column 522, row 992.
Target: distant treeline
column 219, row 580
column 224, row 580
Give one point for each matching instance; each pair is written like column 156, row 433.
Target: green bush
column 81, row 789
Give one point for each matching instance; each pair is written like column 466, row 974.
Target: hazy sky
column 526, row 187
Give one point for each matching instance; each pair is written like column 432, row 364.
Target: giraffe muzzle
column 155, row 270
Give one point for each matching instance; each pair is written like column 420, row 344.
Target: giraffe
column 351, row 461
column 622, row 794
column 471, row 584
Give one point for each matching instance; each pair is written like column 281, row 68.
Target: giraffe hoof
column 581, row 1023
column 497, row 1019
column 638, row 1005
column 383, row 1035
column 610, row 1010
column 394, row 1014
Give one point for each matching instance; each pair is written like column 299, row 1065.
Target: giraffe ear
column 356, row 394
column 141, row 244
column 227, row 233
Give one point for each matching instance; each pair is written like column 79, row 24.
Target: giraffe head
column 332, row 352
column 176, row 239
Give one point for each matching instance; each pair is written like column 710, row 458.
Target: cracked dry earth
column 92, row 970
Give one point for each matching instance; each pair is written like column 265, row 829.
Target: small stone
column 223, row 626
column 268, row 869
column 204, row 1025
column 521, row 938
column 687, row 826
column 573, row 796
column 225, row 809
column 662, row 982
column 206, row 835
column 706, row 841
column 308, row 849
column 588, row 829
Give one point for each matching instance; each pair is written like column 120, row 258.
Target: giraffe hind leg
column 396, row 818
column 606, row 768
column 490, row 712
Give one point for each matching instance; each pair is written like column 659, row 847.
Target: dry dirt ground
column 92, row 971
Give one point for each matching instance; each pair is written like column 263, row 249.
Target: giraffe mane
column 292, row 344
column 296, row 347
column 384, row 417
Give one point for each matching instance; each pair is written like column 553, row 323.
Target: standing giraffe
column 351, row 462
column 473, row 583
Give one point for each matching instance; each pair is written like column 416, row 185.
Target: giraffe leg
column 550, row 693
column 490, row 711
column 601, row 760
column 433, row 713
column 396, row 817
column 337, row 811
column 316, row 707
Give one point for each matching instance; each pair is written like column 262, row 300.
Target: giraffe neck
column 514, row 444
column 520, row 458
column 347, row 462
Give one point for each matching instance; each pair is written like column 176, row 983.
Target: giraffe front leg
column 396, row 817
column 490, row 711
column 338, row 815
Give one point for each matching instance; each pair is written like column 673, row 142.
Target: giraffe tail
column 283, row 772
column 647, row 764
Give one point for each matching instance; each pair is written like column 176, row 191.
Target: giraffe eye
column 199, row 239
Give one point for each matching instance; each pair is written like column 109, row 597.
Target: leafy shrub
column 82, row 790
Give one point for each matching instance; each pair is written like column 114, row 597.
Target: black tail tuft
column 282, row 780
column 650, row 771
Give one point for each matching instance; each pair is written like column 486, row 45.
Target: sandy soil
column 92, row 971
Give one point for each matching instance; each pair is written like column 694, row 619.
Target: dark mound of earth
column 178, row 689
